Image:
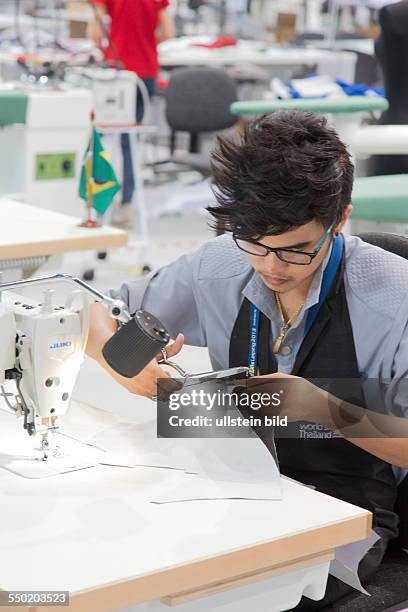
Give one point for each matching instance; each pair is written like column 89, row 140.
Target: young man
column 330, row 307
column 136, row 27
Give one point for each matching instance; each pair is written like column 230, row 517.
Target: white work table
column 28, row 231
column 96, row 533
column 182, row 52
column 358, row 45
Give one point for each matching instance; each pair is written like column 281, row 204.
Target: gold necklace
column 285, row 324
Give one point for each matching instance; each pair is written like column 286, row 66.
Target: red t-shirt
column 132, row 33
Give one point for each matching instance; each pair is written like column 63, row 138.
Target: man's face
column 284, row 277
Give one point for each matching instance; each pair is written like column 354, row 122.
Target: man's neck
column 291, row 300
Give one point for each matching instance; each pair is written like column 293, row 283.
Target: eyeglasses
column 299, row 258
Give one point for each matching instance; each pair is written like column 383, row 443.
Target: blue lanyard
column 253, row 338
column 327, row 281
column 328, row 278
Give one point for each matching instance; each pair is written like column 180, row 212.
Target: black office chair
column 198, row 101
column 388, row 587
column 391, row 49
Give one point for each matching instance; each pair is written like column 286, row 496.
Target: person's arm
column 387, row 446
column 94, row 29
column 382, row 435
column 102, row 327
column 166, row 26
column 170, row 295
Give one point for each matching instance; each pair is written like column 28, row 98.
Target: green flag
column 98, row 174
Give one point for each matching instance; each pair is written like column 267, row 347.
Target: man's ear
column 339, row 227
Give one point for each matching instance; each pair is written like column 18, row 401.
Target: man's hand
column 101, row 329
column 145, row 383
column 374, row 432
column 301, row 400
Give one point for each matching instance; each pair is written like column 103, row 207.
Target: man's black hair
column 289, row 168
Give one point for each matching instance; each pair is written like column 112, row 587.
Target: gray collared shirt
column 200, row 295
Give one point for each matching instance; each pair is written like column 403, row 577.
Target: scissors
column 166, row 361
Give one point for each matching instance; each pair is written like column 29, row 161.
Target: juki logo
column 58, row 345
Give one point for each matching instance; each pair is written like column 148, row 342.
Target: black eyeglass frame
column 277, row 251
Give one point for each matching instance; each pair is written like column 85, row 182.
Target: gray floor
column 170, row 237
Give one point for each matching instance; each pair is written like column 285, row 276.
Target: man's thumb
column 176, row 346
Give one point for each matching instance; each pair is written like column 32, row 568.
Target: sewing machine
column 43, row 347
column 114, row 93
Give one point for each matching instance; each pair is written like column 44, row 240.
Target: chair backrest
column 389, row 242
column 199, row 100
column 398, row 245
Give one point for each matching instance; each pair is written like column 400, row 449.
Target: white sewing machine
column 114, row 93
column 42, row 348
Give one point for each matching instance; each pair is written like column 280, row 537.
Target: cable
column 140, row 85
column 36, row 35
column 28, row 426
column 111, row 46
column 5, row 396
column 17, row 22
column 58, row 8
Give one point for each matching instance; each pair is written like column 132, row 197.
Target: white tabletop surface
column 96, row 527
column 181, row 52
column 27, row 231
column 359, row 45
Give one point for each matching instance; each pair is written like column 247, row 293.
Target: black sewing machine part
column 135, row 344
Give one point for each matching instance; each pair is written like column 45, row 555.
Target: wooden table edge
column 286, row 551
column 52, row 247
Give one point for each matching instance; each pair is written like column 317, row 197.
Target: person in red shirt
column 136, row 27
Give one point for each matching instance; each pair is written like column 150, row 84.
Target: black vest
column 334, row 466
